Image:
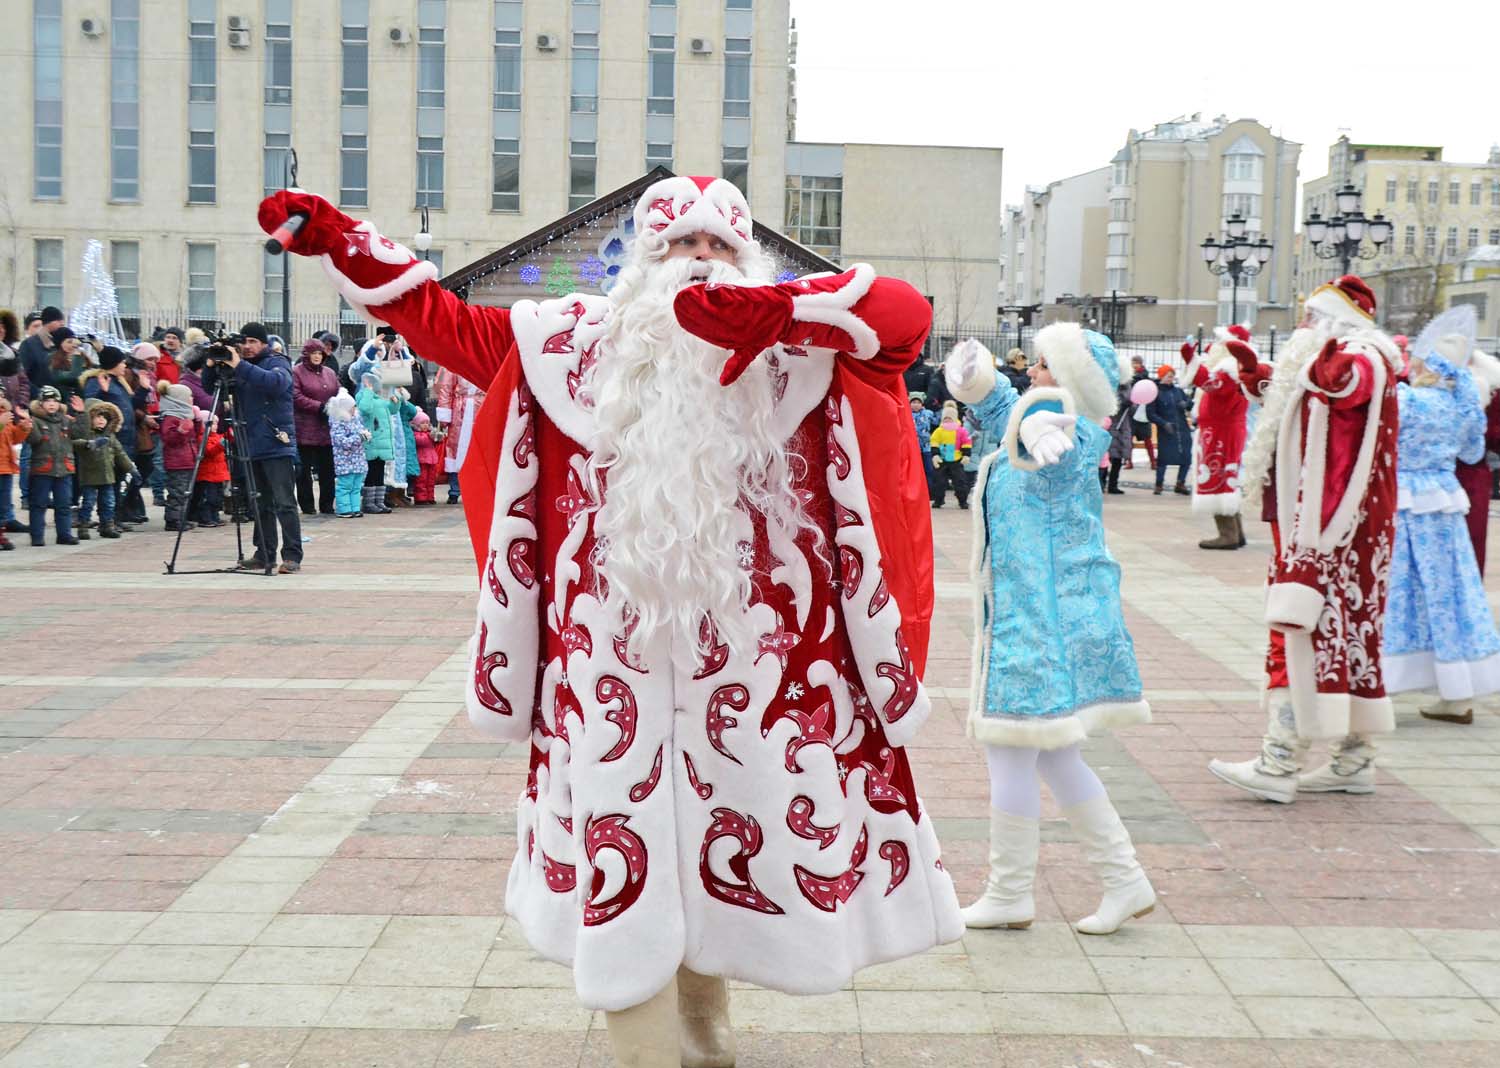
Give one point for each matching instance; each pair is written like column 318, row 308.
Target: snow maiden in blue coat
column 1439, row 631
column 1053, row 659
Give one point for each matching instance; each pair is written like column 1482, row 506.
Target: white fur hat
column 1084, row 363
column 677, row 206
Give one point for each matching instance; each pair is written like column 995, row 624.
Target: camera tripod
column 224, row 387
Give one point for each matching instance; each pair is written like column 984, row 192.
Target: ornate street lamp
column 424, row 235
column 1342, row 237
column 1239, row 254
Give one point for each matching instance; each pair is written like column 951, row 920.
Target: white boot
column 1106, row 843
column 1272, row 776
column 1351, row 771
column 645, row 1035
column 1254, row 776
column 1007, row 900
column 707, row 1039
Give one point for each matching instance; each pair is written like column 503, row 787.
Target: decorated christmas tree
column 99, row 310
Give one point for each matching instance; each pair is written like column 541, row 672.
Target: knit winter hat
column 50, row 393
column 420, row 420
column 312, row 345
column 340, row 406
column 145, row 352
column 110, row 358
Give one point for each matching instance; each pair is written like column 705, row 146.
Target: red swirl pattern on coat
column 799, row 820
column 642, row 790
column 735, row 697
column 611, row 832
column 703, row 789
column 497, row 591
column 743, row 893
column 900, row 860
column 611, row 689
column 903, row 678
column 828, row 893
column 484, row 685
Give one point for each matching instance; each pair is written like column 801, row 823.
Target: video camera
column 216, row 345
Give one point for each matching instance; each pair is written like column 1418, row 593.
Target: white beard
column 1260, row 453
column 678, row 455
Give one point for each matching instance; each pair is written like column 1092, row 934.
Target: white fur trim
column 1292, row 605
column 1055, row 732
column 1072, row 363
column 1486, row 371
column 984, row 378
column 1330, row 300
column 1030, row 399
column 835, row 309
column 979, row 572
column 445, row 415
column 676, row 206
column 415, row 273
column 1449, row 500
column 1341, row 525
column 1190, row 373
column 1216, row 503
column 1453, row 680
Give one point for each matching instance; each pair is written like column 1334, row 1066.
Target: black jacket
column 35, row 355
column 263, row 395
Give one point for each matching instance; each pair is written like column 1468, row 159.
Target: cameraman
column 262, row 381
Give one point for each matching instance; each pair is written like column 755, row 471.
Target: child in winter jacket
column 15, row 425
column 53, row 431
column 213, row 479
column 427, row 460
column 375, row 411
column 348, row 437
column 180, row 434
column 102, row 465
column 951, row 447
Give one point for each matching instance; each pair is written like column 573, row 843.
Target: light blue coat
column 1053, row 657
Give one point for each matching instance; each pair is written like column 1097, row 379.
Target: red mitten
column 368, row 269
column 1189, row 352
column 747, row 320
column 1243, row 355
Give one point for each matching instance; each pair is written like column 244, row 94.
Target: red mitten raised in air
column 1243, row 355
column 369, row 270
column 1188, row 352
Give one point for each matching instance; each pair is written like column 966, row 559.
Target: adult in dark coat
column 1014, row 369
column 1174, row 441
column 35, row 352
column 263, row 396
column 314, row 383
column 1121, row 438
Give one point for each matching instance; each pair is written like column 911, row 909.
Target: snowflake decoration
column 786, row 276
column 531, row 274
column 794, row 691
column 591, row 271
column 746, row 552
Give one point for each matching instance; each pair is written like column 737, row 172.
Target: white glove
column 962, row 366
column 1045, row 436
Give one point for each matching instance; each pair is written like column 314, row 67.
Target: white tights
column 1015, row 789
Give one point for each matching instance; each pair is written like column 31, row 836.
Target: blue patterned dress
column 1053, row 657
column 1439, row 632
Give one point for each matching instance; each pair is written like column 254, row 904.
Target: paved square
column 243, row 822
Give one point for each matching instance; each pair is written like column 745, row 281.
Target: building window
column 201, row 299
column 1453, row 191
column 49, row 272
column 47, row 94
column 737, row 5
column 272, row 270
column 356, row 57
column 1117, row 245
column 505, row 195
column 434, row 256
column 1476, row 191
column 737, row 167
column 202, row 165
column 431, row 54
column 1410, row 244
column 1114, row 279
column 1432, row 191
column 661, row 58
column 814, row 213
column 125, row 100
column 1473, row 237
column 1390, row 190
column 125, row 267
column 585, row 73
column 1243, row 167
column 430, row 172
column 354, row 171
column 278, row 63
column 658, row 155
column 583, row 165
column 1121, row 174
column 1411, row 190
column 1450, row 246
column 1494, row 237
column 1246, row 204
column 203, row 73
column 1429, row 241
column 507, row 70
column 736, row 77
column 278, row 157
column 1495, row 192
column 1119, row 210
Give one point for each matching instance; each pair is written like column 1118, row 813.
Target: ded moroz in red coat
column 1334, row 527
column 756, row 818
column 1222, row 407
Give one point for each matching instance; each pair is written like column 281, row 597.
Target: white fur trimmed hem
column 1290, row 605
column 1216, row 503
column 1334, row 715
column 1057, row 732
column 1453, row 680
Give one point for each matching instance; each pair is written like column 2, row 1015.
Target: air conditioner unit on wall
column 238, row 39
column 238, row 22
column 92, row 27
column 546, row 42
column 701, row 46
column 399, row 35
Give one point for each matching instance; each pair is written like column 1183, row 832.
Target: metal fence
column 294, row 331
column 1154, row 349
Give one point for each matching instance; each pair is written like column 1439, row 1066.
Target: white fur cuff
column 445, row 415
column 1290, row 605
column 834, row 308
column 980, row 386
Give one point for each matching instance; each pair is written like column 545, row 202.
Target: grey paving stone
column 147, row 746
column 214, row 822
column 465, row 750
column 24, row 820
column 292, row 748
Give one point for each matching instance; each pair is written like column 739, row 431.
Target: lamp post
column 1238, row 255
column 290, row 171
column 1342, row 237
column 424, row 235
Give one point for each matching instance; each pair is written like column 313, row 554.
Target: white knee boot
column 1007, row 899
column 707, row 1039
column 1106, row 843
column 646, row 1035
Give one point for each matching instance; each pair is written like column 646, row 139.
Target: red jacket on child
column 179, row 443
column 215, row 466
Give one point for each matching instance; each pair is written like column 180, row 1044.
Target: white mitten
column 1045, row 436
column 969, row 372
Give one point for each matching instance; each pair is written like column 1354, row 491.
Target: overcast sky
column 1059, row 85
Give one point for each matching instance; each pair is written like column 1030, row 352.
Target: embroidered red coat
column 1335, row 479
column 458, row 402
column 1222, row 429
column 754, row 818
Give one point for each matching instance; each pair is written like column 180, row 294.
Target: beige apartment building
column 158, row 125
column 1441, row 213
column 1133, row 229
column 929, row 214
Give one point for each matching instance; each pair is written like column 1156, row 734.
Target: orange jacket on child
column 10, row 436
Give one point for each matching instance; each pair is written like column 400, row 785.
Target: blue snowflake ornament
column 591, row 271
column 786, row 276
column 531, row 274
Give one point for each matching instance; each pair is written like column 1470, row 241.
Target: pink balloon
column 1143, row 392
